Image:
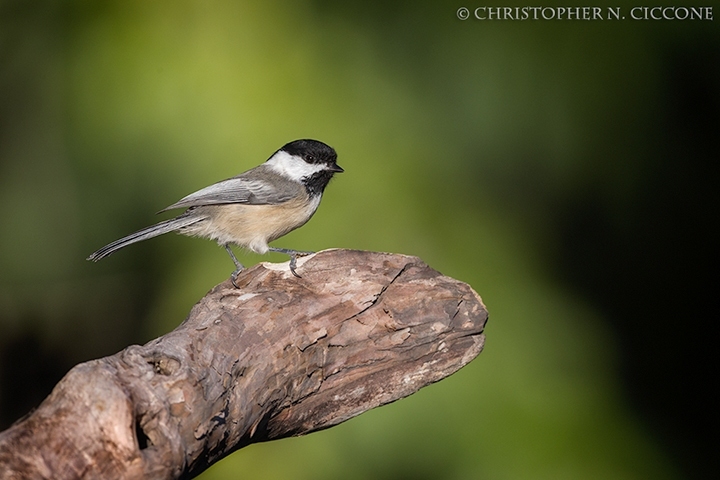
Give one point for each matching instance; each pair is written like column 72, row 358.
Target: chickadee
column 253, row 208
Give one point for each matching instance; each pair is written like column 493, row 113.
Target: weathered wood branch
column 280, row 356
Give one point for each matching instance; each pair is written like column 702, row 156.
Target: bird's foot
column 238, row 266
column 293, row 257
column 234, row 275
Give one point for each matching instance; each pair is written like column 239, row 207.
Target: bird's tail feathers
column 148, row 232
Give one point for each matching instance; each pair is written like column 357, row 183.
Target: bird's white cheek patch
column 294, row 168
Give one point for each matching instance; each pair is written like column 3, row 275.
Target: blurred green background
column 568, row 171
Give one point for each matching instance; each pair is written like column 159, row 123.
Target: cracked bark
column 278, row 357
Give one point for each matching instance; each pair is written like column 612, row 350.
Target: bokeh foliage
column 537, row 161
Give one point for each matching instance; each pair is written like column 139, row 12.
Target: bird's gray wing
column 241, row 189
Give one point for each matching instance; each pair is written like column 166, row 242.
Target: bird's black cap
column 313, row 151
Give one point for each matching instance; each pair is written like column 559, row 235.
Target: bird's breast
column 254, row 226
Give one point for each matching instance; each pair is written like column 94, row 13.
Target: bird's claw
column 293, row 257
column 233, row 277
column 293, row 261
column 293, row 264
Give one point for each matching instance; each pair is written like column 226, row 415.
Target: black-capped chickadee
column 253, row 208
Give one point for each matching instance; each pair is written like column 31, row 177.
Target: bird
column 254, row 208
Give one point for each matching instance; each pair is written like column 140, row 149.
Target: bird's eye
column 309, row 158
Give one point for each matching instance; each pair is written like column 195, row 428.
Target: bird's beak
column 335, row 168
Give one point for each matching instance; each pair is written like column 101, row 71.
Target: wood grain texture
column 277, row 357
